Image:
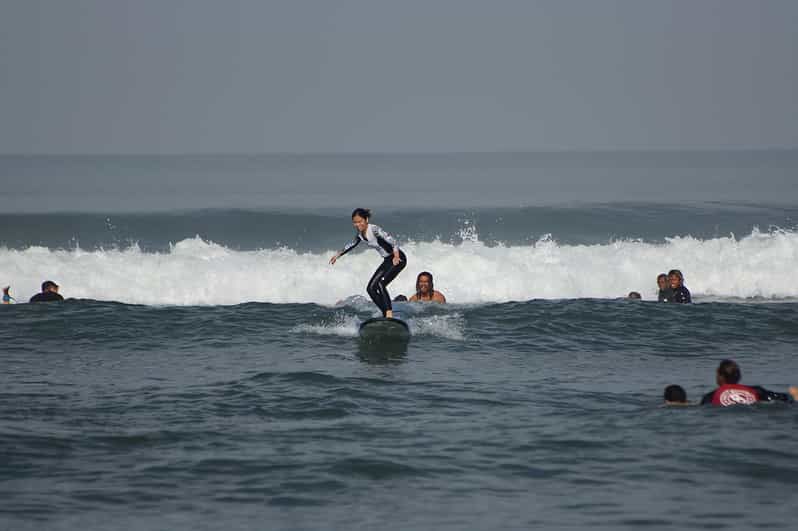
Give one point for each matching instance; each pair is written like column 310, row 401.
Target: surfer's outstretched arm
column 348, row 247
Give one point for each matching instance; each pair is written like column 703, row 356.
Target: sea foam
column 198, row 272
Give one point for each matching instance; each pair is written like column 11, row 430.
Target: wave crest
column 195, row 271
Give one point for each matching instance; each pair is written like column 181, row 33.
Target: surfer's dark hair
column 364, row 213
column 677, row 273
column 675, row 393
column 730, row 371
column 431, row 282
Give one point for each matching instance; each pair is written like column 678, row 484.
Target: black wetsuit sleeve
column 707, row 398
column 349, row 246
column 681, row 295
column 771, row 396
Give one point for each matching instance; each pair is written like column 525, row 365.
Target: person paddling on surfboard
column 393, row 258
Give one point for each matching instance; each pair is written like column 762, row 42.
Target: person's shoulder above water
column 46, row 297
column 682, row 295
column 49, row 293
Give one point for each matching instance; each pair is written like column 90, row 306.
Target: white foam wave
column 341, row 325
column 199, row 272
column 450, row 326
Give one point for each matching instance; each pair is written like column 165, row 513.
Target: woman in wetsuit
column 393, row 259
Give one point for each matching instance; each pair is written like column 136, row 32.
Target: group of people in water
column 671, row 285
column 671, row 288
column 48, row 293
column 730, row 391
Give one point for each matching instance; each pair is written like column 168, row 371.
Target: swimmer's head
column 728, row 373
column 49, row 285
column 424, row 283
column 633, row 295
column 675, row 394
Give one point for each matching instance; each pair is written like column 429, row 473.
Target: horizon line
column 554, row 151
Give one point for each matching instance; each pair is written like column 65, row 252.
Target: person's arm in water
column 437, row 296
column 348, row 247
column 765, row 395
column 381, row 233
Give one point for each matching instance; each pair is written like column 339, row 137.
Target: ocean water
column 205, row 371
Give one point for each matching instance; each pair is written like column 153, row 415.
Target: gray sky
column 198, row 76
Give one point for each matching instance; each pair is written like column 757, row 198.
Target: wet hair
column 662, row 275
column 400, row 298
column 47, row 284
column 675, row 393
column 431, row 282
column 729, row 371
column 633, row 295
column 677, row 273
column 364, row 213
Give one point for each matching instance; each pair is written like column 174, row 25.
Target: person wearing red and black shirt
column 730, row 392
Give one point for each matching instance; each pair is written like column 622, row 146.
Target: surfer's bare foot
column 389, row 314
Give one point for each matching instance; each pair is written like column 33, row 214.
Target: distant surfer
column 7, row 298
column 49, row 293
column 425, row 289
column 393, row 258
column 680, row 293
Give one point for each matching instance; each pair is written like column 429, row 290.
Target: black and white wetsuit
column 385, row 244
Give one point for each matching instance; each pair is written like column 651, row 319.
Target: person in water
column 665, row 292
column 393, row 258
column 675, row 395
column 634, row 295
column 7, row 298
column 730, row 392
column 49, row 293
column 425, row 289
column 680, row 292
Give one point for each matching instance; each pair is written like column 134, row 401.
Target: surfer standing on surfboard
column 393, row 259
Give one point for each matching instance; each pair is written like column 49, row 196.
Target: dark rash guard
column 735, row 394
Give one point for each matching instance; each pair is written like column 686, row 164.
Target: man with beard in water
column 730, row 392
column 425, row 289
